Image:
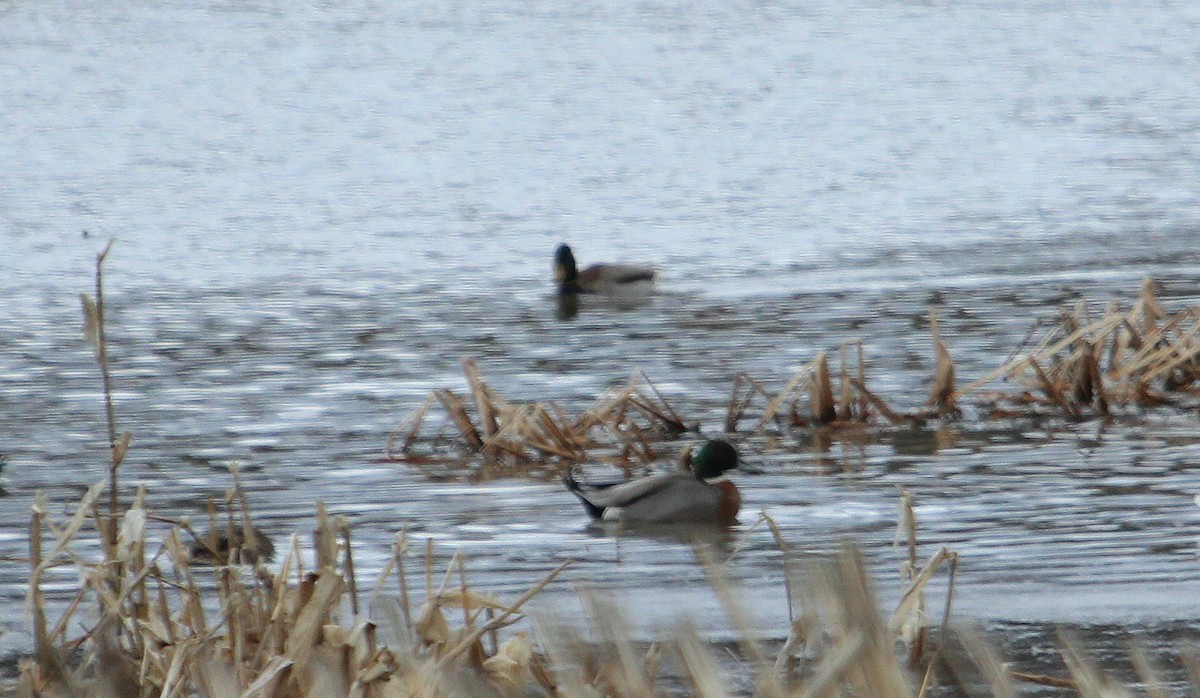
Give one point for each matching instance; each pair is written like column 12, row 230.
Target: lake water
column 322, row 208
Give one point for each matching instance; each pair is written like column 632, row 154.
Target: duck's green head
column 565, row 272
column 713, row 459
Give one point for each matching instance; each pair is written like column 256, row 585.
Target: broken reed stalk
column 909, row 620
column 775, row 404
column 788, row 564
column 767, row 682
column 483, row 402
column 943, row 632
column 861, row 380
column 666, row 413
column 736, row 408
column 45, row 652
column 821, row 404
column 942, row 395
column 94, row 331
column 417, row 419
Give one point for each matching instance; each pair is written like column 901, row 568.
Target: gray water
column 321, row 209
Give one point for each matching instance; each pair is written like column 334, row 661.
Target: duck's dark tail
column 576, row 489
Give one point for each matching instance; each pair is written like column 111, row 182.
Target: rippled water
column 321, row 209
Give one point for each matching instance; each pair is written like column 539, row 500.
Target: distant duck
column 613, row 279
column 701, row 494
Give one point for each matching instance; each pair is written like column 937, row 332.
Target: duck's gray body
column 699, row 494
column 670, row 497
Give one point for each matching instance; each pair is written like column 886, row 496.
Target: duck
column 612, row 279
column 701, row 493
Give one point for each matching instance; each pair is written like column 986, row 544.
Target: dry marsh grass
column 624, row 423
column 1139, row 357
column 148, row 619
column 157, row 623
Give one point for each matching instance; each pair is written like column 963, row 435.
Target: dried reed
column 163, row 626
column 166, row 627
column 524, row 437
column 854, row 407
column 1140, row 357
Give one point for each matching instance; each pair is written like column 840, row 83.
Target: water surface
column 322, row 209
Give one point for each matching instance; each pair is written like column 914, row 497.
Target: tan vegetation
column 1136, row 358
column 146, row 620
column 626, row 422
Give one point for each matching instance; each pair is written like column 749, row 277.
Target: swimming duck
column 598, row 278
column 701, row 494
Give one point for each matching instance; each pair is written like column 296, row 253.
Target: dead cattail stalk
column 457, row 411
column 821, row 404
column 942, row 395
column 845, row 404
column 416, row 418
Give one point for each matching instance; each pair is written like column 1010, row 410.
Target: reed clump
column 811, row 398
column 148, row 620
column 157, row 622
column 622, row 425
column 1139, row 357
column 479, row 427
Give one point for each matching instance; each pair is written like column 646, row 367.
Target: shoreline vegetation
column 160, row 609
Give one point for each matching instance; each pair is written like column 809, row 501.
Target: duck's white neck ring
column 718, row 479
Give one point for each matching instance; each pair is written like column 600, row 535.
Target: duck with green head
column 599, row 278
column 701, row 494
